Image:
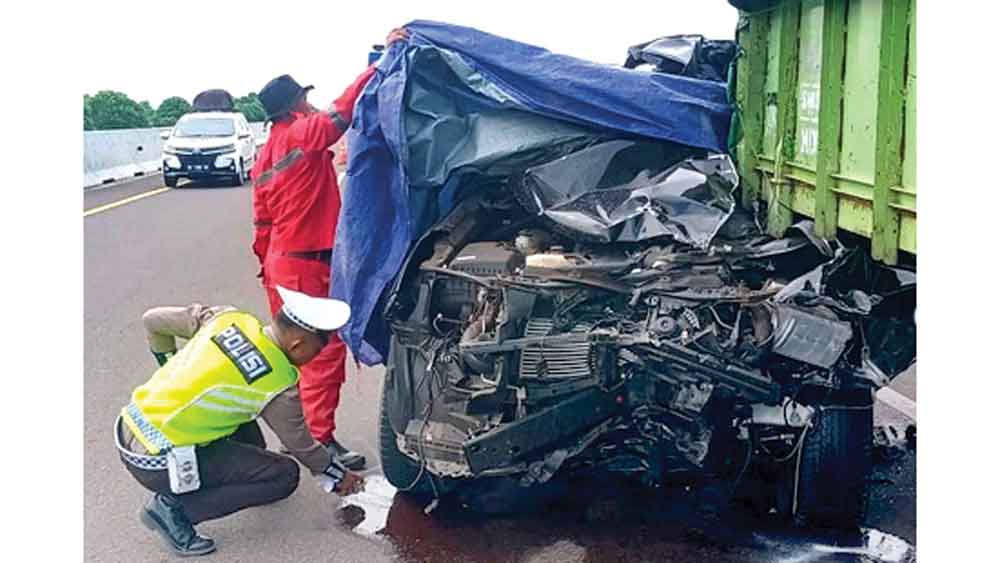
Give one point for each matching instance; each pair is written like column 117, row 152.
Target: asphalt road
column 193, row 244
column 98, row 196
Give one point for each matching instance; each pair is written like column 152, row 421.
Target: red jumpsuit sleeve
column 319, row 131
column 261, row 225
column 262, row 218
column 262, row 164
column 344, row 105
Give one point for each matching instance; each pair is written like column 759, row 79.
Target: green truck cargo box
column 826, row 91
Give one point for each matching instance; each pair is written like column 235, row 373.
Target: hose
column 798, row 466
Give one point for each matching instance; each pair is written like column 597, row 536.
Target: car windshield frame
column 205, row 127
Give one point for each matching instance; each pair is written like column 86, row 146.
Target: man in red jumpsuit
column 296, row 202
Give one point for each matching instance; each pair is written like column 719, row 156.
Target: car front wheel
column 401, row 471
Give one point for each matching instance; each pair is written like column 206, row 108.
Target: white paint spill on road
column 375, row 501
column 564, row 550
column 873, row 546
column 878, row 546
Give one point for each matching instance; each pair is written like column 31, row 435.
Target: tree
column 250, row 107
column 88, row 124
column 170, row 110
column 108, row 109
column 148, row 111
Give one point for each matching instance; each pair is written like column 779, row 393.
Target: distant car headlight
column 172, row 161
column 223, row 160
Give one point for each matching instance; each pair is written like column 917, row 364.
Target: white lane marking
column 898, row 401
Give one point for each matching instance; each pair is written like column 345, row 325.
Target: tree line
column 108, row 109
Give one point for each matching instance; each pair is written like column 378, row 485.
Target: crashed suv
column 612, row 309
column 549, row 258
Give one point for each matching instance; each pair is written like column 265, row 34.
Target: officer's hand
column 398, row 34
column 162, row 357
column 352, row 483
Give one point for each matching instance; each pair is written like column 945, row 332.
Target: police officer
column 190, row 434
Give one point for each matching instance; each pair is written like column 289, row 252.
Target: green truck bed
column 827, row 95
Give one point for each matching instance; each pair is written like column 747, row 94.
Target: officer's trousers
column 236, row 473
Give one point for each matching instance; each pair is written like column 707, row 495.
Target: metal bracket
column 788, row 413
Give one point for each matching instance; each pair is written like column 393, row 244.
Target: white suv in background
column 209, row 145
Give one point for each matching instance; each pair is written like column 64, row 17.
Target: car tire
column 401, row 471
column 833, row 467
column 170, row 182
column 237, row 179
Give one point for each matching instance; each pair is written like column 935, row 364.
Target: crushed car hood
column 686, row 55
column 454, row 101
column 628, row 191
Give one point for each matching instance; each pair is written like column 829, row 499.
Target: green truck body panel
column 827, row 95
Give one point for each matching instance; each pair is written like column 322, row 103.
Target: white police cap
column 314, row 313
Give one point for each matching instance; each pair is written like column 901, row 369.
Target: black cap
column 280, row 95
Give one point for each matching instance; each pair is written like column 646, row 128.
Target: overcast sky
column 181, row 48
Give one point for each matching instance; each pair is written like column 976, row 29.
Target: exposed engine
column 522, row 349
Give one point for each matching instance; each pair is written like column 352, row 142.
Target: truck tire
column 833, row 468
column 170, row 182
column 401, row 471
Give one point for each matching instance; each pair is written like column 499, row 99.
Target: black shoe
column 351, row 460
column 166, row 517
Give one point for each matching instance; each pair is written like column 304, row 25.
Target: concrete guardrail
column 123, row 153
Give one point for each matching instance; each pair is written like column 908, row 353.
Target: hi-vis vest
column 222, row 378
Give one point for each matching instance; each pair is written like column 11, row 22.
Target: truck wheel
column 401, row 471
column 832, row 468
column 170, row 182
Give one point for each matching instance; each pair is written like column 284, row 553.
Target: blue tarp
column 431, row 113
